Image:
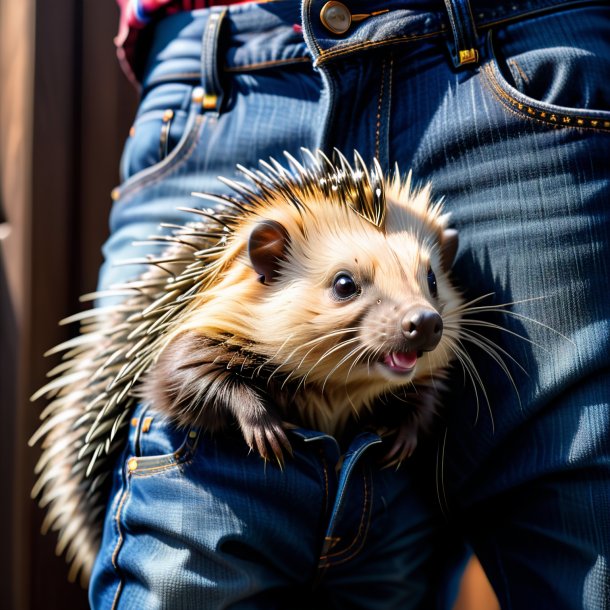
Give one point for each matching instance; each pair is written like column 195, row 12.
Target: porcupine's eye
column 344, row 286
column 432, row 283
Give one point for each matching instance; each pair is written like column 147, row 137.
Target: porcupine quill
column 85, row 423
column 250, row 241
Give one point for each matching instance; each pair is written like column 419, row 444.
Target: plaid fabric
column 136, row 15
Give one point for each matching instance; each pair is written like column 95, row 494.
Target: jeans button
column 336, row 17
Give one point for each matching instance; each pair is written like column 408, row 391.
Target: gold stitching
column 338, row 51
column 145, row 474
column 379, row 104
column 169, row 163
column 358, row 535
column 554, row 118
column 119, row 543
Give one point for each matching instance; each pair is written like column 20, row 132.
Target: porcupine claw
column 403, row 447
column 264, row 433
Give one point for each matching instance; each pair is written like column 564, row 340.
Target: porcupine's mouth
column 400, row 363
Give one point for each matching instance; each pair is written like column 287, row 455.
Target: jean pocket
column 157, row 446
column 168, row 120
column 554, row 68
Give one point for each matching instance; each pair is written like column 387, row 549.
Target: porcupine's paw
column 264, row 433
column 403, row 445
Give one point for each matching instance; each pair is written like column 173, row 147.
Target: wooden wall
column 65, row 110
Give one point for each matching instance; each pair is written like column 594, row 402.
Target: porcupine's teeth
column 401, row 362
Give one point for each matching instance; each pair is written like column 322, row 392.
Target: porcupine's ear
column 449, row 246
column 267, row 247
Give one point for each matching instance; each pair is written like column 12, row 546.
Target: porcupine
column 316, row 296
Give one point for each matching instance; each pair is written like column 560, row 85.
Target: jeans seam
column 360, row 534
column 313, row 38
column 119, row 543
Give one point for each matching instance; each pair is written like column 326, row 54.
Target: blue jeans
column 518, row 142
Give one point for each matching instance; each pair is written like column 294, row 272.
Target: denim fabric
column 518, row 145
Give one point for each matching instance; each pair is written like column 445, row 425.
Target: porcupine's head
column 334, row 284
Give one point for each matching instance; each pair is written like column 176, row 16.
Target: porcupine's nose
column 422, row 328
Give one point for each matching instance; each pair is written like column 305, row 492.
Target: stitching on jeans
column 129, row 190
column 337, row 52
column 361, row 534
column 149, row 472
column 547, row 117
column 313, row 38
column 328, row 557
column 326, row 55
column 119, row 543
column 389, row 103
column 379, row 105
column 520, row 70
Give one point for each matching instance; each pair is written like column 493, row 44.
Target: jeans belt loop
column 210, row 70
column 463, row 44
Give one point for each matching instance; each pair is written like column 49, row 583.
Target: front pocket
column 160, row 140
column 158, row 446
column 153, row 137
column 554, row 69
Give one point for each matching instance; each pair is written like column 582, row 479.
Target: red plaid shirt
column 137, row 14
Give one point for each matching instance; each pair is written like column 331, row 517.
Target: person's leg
column 401, row 100
column 211, row 525
column 519, row 147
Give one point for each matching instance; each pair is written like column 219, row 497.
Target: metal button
column 336, row 17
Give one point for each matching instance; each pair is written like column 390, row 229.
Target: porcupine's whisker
column 525, row 319
column 328, row 353
column 468, row 309
column 355, row 361
column 362, row 355
column 494, row 351
column 469, row 366
column 345, row 358
column 325, row 355
column 440, row 476
column 258, row 369
column 375, row 356
column 491, row 325
column 487, row 346
column 466, row 361
column 314, row 343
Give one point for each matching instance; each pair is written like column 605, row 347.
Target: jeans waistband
column 256, row 35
